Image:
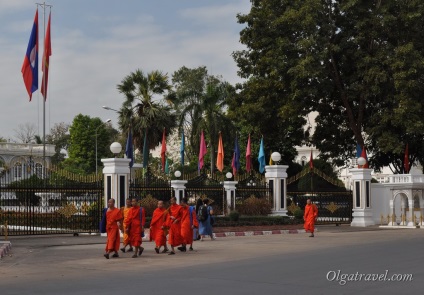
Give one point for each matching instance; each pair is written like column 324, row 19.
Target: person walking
column 111, row 224
column 157, row 233
column 134, row 224
column 126, row 239
column 174, row 224
column 188, row 223
column 205, row 213
column 310, row 216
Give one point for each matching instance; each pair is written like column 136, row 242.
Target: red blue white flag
column 30, row 66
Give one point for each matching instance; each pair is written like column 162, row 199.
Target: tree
column 60, row 137
column 82, row 144
column 141, row 112
column 200, row 101
column 26, row 132
column 357, row 63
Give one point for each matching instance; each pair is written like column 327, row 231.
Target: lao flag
column 30, row 66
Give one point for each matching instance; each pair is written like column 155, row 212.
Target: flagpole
column 44, row 5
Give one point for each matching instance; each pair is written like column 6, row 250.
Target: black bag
column 203, row 213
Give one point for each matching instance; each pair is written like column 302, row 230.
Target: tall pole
column 44, row 5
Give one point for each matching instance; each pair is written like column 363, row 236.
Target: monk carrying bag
column 203, row 213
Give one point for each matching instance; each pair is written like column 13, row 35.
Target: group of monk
column 177, row 223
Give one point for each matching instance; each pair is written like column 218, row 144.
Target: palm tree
column 142, row 111
column 202, row 107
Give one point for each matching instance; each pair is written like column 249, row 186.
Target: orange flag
column 220, row 157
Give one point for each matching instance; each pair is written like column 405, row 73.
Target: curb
column 5, row 248
column 259, row 233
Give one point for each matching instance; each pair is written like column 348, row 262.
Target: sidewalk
column 41, row 241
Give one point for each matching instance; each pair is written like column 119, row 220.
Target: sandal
column 123, row 250
column 106, row 255
column 157, row 250
column 164, row 250
column 140, row 251
column 191, row 248
column 171, row 253
column 115, row 255
column 134, row 256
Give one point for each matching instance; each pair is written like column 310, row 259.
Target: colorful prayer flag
column 30, row 65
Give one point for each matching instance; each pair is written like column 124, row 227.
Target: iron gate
column 49, row 201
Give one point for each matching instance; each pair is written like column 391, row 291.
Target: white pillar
column 116, row 173
column 276, row 177
column 392, row 221
column 362, row 213
column 230, row 191
column 411, row 212
column 179, row 189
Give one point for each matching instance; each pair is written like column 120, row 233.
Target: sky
column 96, row 43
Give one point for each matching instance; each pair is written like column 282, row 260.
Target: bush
column 298, row 214
column 254, row 206
column 234, row 216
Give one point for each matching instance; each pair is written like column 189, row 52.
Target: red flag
column 163, row 150
column 202, row 151
column 248, row 156
column 30, row 65
column 364, row 155
column 220, row 157
column 406, row 160
column 46, row 57
column 311, row 162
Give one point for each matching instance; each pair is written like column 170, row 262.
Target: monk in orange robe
column 310, row 216
column 188, row 223
column 174, row 224
column 134, row 224
column 157, row 227
column 126, row 240
column 113, row 225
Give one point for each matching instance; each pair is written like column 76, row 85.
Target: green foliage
column 298, row 214
column 141, row 112
column 234, row 215
column 350, row 61
column 200, row 101
column 254, row 206
column 86, row 134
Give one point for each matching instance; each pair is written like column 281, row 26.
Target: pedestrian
column 126, row 239
column 199, row 203
column 310, row 216
column 188, row 223
column 174, row 225
column 205, row 213
column 111, row 224
column 157, row 227
column 134, row 224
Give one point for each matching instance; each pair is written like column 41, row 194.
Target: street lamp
column 109, row 109
column 107, row 121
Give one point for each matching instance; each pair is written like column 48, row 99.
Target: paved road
column 275, row 264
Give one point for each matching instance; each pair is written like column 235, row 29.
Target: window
column 17, row 170
column 39, row 170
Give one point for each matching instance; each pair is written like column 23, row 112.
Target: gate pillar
column 362, row 213
column 230, row 192
column 116, row 173
column 179, row 189
column 276, row 176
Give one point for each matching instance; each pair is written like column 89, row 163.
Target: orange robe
column 186, row 225
column 124, row 211
column 157, row 233
column 135, row 222
column 174, row 234
column 112, row 229
column 311, row 213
